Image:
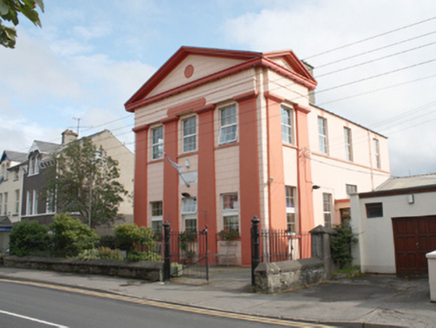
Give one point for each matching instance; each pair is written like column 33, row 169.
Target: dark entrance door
column 413, row 238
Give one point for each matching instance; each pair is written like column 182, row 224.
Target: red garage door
column 413, row 238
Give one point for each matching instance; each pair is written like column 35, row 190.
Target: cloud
column 311, row 28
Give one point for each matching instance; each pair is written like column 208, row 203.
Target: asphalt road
column 35, row 305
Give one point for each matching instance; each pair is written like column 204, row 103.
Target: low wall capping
column 152, row 271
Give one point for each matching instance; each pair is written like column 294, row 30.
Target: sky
column 375, row 63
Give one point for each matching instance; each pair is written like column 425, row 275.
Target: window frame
column 287, row 127
column 159, row 145
column 17, row 201
column 34, row 161
column 348, row 139
column 291, row 215
column 222, row 139
column 377, row 153
column 35, row 201
column 350, row 186
column 189, row 213
column 1, row 204
column 229, row 214
column 29, row 202
column 323, row 135
column 372, row 208
column 156, row 220
column 327, row 213
column 192, row 136
column 50, row 202
column 5, row 207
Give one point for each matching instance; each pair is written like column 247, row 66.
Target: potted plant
column 228, row 235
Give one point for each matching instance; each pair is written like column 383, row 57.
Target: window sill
column 153, row 161
column 190, row 153
column 227, row 145
column 288, row 145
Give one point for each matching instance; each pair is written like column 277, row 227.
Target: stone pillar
column 321, row 247
column 431, row 258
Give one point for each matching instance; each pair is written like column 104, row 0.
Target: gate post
column 167, row 254
column 255, row 253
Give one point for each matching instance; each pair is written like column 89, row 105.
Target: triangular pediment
column 190, row 67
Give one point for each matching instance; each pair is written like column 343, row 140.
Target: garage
column 413, row 238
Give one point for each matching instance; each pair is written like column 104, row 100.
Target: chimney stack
column 68, row 136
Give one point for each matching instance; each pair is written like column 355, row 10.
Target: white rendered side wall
column 376, row 234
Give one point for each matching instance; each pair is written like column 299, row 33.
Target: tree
column 9, row 10
column 84, row 180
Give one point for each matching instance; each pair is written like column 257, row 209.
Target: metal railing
column 282, row 245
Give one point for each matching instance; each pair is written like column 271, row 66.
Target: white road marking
column 33, row 319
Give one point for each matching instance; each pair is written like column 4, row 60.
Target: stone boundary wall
column 152, row 271
column 281, row 276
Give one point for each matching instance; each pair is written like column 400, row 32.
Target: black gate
column 188, row 254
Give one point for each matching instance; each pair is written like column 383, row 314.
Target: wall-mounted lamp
column 186, row 195
column 315, row 187
column 271, row 179
column 188, row 163
column 411, row 199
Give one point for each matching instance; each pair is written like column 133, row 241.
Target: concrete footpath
column 367, row 301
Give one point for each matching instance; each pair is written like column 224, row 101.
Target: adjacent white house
column 396, row 225
column 10, row 193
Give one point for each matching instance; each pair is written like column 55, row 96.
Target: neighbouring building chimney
column 68, row 136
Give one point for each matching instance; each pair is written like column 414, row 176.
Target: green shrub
column 108, row 241
column 129, row 235
column 89, row 254
column 29, row 238
column 100, row 253
column 136, row 256
column 110, row 254
column 71, row 236
column 341, row 244
column 138, row 242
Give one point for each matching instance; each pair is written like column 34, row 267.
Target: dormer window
column 34, row 162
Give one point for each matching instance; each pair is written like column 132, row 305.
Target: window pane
column 156, row 226
column 322, row 130
column 286, row 125
column 230, row 202
column 157, row 143
column 191, row 224
column 327, row 198
column 290, row 217
column 228, row 115
column 228, row 134
column 228, row 125
column 290, row 197
column 374, row 210
column 189, row 134
column 189, row 205
column 348, row 145
column 231, row 222
column 156, row 209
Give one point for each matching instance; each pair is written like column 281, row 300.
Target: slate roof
column 46, row 147
column 13, row 156
column 412, row 181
